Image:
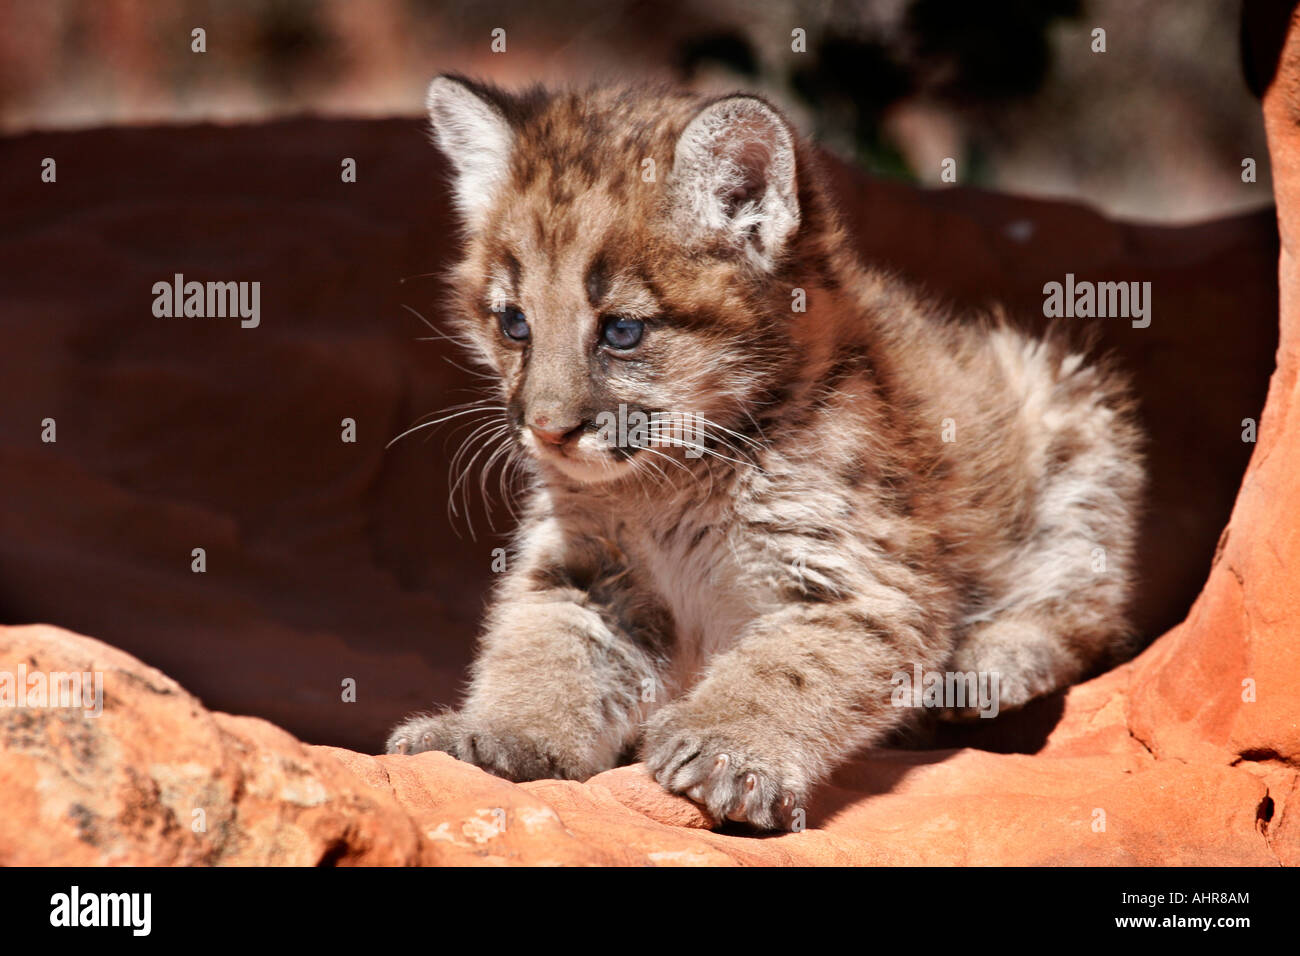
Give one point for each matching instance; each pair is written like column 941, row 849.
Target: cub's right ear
column 475, row 136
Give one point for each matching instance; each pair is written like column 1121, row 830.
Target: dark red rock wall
column 327, row 560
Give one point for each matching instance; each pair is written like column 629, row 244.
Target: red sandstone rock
column 123, row 788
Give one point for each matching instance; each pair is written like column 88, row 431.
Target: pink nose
column 552, row 435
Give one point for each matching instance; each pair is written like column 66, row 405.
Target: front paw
column 498, row 750
column 424, row 732
column 735, row 772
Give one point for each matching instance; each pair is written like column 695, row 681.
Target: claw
column 698, row 791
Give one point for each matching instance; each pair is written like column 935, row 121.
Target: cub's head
column 629, row 257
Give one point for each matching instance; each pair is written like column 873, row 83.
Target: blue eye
column 620, row 333
column 513, row 324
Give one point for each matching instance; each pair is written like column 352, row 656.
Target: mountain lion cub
column 836, row 485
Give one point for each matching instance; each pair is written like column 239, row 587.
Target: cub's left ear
column 734, row 173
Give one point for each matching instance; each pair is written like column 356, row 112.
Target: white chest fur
column 702, row 580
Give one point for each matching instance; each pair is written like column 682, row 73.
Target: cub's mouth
column 616, row 443
column 585, row 457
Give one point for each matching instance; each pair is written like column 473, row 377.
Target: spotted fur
column 737, row 604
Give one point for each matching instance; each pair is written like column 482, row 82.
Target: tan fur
column 741, row 614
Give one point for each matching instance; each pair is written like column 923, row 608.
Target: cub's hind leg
column 1031, row 654
column 1058, row 600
